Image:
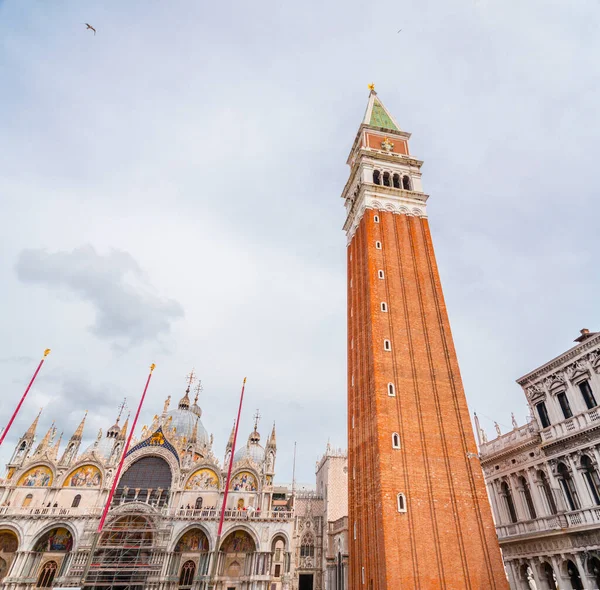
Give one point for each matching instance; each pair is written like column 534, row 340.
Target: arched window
column 406, row 183
column 528, row 498
column 527, row 576
column 378, row 245
column 563, row 400
column 27, row 500
column 20, row 452
column 380, row 274
column 574, row 576
column 386, row 179
column 47, row 575
column 401, row 501
column 376, row 177
column 587, row 394
column 568, row 487
column 76, row 501
column 396, row 180
column 198, row 503
column 395, row 440
column 391, row 389
column 376, row 218
column 307, row 547
column 591, row 477
column 548, row 575
column 186, row 578
column 510, row 506
column 383, row 306
column 543, row 414
column 594, row 569
column 547, row 491
column 148, row 473
column 387, row 345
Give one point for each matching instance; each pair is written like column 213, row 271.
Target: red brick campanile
column 419, row 512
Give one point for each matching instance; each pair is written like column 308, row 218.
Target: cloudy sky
column 169, row 193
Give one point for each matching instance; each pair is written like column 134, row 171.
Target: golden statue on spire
column 372, row 87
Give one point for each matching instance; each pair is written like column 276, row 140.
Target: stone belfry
column 420, row 517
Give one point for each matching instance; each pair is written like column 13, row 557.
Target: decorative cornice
column 383, row 198
column 559, row 360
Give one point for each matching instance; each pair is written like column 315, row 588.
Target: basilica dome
column 185, row 418
column 103, row 447
column 253, row 450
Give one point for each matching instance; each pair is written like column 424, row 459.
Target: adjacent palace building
column 162, row 526
column 543, row 478
column 420, row 518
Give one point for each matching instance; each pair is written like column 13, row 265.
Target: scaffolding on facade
column 127, row 555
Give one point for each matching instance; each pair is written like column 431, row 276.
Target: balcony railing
column 577, row 518
column 514, row 438
column 575, row 424
column 215, row 514
column 51, row 512
column 200, row 513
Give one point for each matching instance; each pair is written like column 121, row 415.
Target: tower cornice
column 373, row 196
column 359, row 139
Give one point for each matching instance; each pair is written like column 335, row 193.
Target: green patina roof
column 379, row 118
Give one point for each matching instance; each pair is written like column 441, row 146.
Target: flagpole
column 12, row 419
column 118, row 473
column 115, row 480
column 211, row 583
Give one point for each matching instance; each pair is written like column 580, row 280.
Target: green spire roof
column 377, row 115
column 380, row 117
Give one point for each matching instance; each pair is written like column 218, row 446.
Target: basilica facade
column 161, row 530
column 543, row 477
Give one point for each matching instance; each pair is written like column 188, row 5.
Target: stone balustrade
column 569, row 427
column 576, row 518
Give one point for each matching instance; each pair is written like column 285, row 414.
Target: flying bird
column 90, row 27
column 399, row 31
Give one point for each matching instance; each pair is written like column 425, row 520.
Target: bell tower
column 419, row 513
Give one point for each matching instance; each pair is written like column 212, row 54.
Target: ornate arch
column 241, row 527
column 199, row 468
column 246, row 469
column 56, row 525
column 281, row 535
column 31, row 467
column 190, row 527
column 62, row 480
column 13, row 528
column 141, row 453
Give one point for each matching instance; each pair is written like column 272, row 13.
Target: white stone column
column 582, row 495
column 493, row 496
column 589, row 581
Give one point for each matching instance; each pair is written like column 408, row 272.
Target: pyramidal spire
column 79, row 432
column 272, row 438
column 377, row 115
column 123, row 432
column 30, row 434
column 46, row 440
column 231, row 436
column 56, row 448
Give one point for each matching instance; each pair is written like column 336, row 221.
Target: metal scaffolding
column 126, row 556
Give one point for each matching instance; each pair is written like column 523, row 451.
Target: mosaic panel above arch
column 86, row 476
column 203, row 479
column 58, row 539
column 36, row 477
column 244, row 481
column 238, row 542
column 194, row 540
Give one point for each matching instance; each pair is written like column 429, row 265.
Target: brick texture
column 446, row 538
